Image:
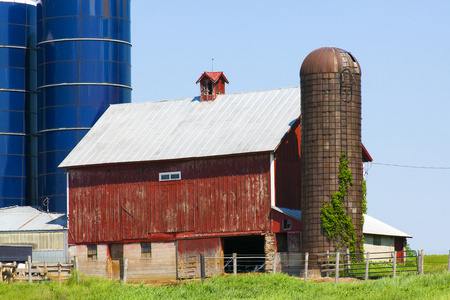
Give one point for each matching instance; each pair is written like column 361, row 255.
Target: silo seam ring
column 84, row 83
column 83, row 39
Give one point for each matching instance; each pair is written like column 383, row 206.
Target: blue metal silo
column 18, row 151
column 84, row 65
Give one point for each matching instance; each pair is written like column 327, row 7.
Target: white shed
column 381, row 237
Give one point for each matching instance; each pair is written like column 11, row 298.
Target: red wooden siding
column 287, row 170
column 277, row 222
column 210, row 247
column 127, row 202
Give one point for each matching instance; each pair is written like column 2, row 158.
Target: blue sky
column 402, row 47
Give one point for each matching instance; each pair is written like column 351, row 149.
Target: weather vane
column 212, row 64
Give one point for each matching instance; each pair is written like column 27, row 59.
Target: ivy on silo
column 337, row 225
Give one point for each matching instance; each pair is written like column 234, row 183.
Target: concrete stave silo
column 84, row 65
column 331, row 125
column 18, row 150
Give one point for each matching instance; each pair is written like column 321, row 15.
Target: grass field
column 267, row 286
column 434, row 263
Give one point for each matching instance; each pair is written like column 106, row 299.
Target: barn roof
column 188, row 128
column 26, row 218
column 374, row 226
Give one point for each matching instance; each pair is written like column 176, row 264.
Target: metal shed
column 46, row 232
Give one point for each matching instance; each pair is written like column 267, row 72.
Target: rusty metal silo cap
column 329, row 60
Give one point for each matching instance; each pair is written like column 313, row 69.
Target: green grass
column 435, row 263
column 266, row 286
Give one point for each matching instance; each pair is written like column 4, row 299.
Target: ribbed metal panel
column 40, row 240
column 84, row 65
column 187, row 128
column 17, row 102
column 26, row 218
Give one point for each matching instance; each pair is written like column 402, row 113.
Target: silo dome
column 329, row 60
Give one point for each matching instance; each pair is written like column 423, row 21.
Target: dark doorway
column 282, row 244
column 116, row 256
column 249, row 250
column 399, row 245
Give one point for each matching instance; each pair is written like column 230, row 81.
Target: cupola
column 211, row 85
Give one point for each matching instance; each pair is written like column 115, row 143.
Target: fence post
column 394, row 265
column 366, row 275
column 448, row 265
column 59, row 272
column 275, row 263
column 347, row 261
column 328, row 261
column 75, row 267
column 306, row 265
column 336, row 269
column 420, row 254
column 30, row 280
column 234, row 264
column 202, row 266
column 125, row 270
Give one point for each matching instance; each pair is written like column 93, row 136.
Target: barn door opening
column 116, row 257
column 399, row 245
column 249, row 250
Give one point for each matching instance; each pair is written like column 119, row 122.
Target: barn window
column 170, row 176
column 146, row 249
column 287, row 224
column 92, row 252
column 377, row 240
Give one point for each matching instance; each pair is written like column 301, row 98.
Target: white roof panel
column 29, row 2
column 374, row 226
column 26, row 218
column 188, row 128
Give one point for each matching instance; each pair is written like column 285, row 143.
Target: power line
column 412, row 167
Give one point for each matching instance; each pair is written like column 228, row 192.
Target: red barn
column 158, row 182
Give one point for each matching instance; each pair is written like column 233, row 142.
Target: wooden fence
column 362, row 266
column 11, row 272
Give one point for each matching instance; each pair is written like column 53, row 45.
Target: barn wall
column 160, row 266
column 188, row 256
column 98, row 267
column 277, row 222
column 127, row 202
column 287, row 170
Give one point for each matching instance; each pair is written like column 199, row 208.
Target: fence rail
column 370, row 265
column 361, row 266
column 10, row 272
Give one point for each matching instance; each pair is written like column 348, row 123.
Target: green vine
column 337, row 225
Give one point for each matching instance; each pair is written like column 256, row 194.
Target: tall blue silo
column 84, row 65
column 18, row 103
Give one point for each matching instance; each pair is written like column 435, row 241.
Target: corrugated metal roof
column 26, row 218
column 293, row 213
column 187, row 128
column 374, row 226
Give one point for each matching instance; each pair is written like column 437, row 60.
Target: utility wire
column 412, row 167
